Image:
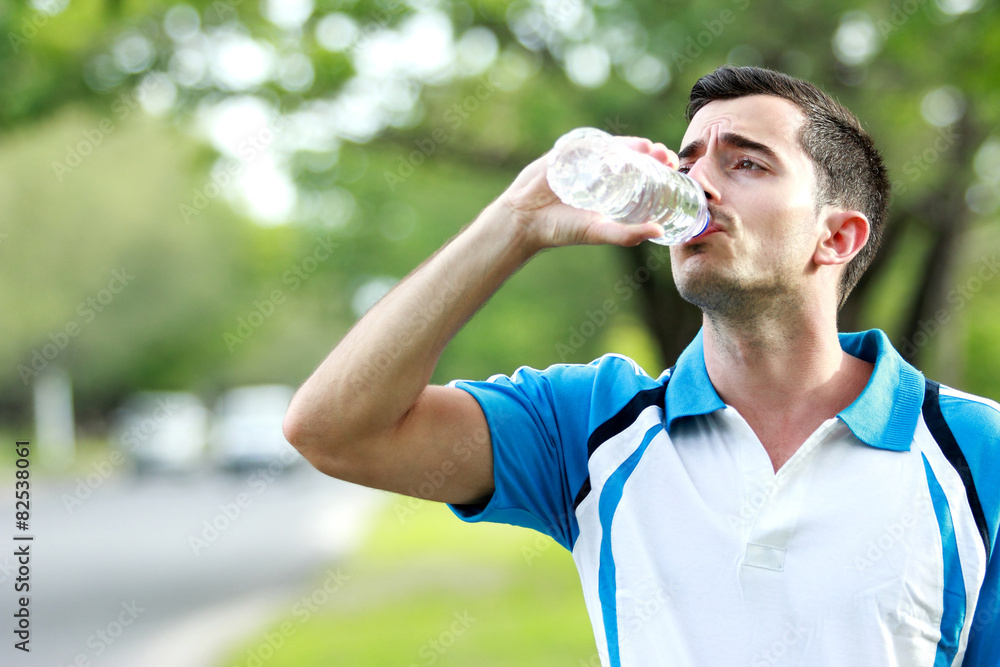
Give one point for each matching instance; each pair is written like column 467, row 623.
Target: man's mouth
column 717, row 222
column 713, row 226
column 710, row 229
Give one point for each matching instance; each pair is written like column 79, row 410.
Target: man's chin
column 699, row 245
column 710, row 290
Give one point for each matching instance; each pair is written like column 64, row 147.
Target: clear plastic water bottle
column 590, row 169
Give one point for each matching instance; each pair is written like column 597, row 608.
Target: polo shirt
column 872, row 545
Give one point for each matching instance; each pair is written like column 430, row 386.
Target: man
column 784, row 495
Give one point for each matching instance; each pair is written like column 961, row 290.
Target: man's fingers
column 656, row 150
column 666, row 156
column 640, row 144
column 616, row 233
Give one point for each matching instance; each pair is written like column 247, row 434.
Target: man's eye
column 747, row 163
column 684, row 168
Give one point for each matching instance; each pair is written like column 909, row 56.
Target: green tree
column 397, row 122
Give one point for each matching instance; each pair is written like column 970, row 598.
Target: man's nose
column 701, row 171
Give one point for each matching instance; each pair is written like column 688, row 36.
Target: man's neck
column 784, row 377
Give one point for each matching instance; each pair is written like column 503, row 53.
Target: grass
column 427, row 589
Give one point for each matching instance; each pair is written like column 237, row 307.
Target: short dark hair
column 849, row 168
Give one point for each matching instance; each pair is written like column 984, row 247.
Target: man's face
column 761, row 195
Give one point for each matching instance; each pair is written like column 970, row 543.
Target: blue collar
column 884, row 415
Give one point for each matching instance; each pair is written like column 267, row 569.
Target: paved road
column 150, row 571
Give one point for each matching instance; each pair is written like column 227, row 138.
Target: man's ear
column 844, row 235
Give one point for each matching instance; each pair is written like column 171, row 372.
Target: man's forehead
column 767, row 119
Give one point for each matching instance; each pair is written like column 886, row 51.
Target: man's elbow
column 319, row 443
column 300, row 431
column 293, row 429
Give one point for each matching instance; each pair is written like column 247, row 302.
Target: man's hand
column 549, row 223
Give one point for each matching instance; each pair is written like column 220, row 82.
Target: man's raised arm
column 367, row 414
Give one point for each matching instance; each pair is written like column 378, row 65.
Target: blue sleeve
column 539, row 425
column 975, row 424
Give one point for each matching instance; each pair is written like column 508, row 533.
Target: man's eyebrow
column 732, row 140
column 691, row 149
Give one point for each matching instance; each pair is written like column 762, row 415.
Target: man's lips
column 712, row 228
column 718, row 221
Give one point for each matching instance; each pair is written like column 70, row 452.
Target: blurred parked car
column 162, row 431
column 246, row 428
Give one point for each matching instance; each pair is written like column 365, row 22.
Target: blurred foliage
column 115, row 154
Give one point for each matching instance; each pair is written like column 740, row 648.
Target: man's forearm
column 377, row 372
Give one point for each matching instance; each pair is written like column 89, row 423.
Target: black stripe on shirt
column 945, row 439
column 621, row 421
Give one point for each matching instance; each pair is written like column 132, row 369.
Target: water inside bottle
column 588, row 170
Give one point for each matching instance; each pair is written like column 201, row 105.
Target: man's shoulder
column 604, row 386
column 974, row 423
column 609, row 368
column 968, row 412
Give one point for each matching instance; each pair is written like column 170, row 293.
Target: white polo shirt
column 872, row 545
